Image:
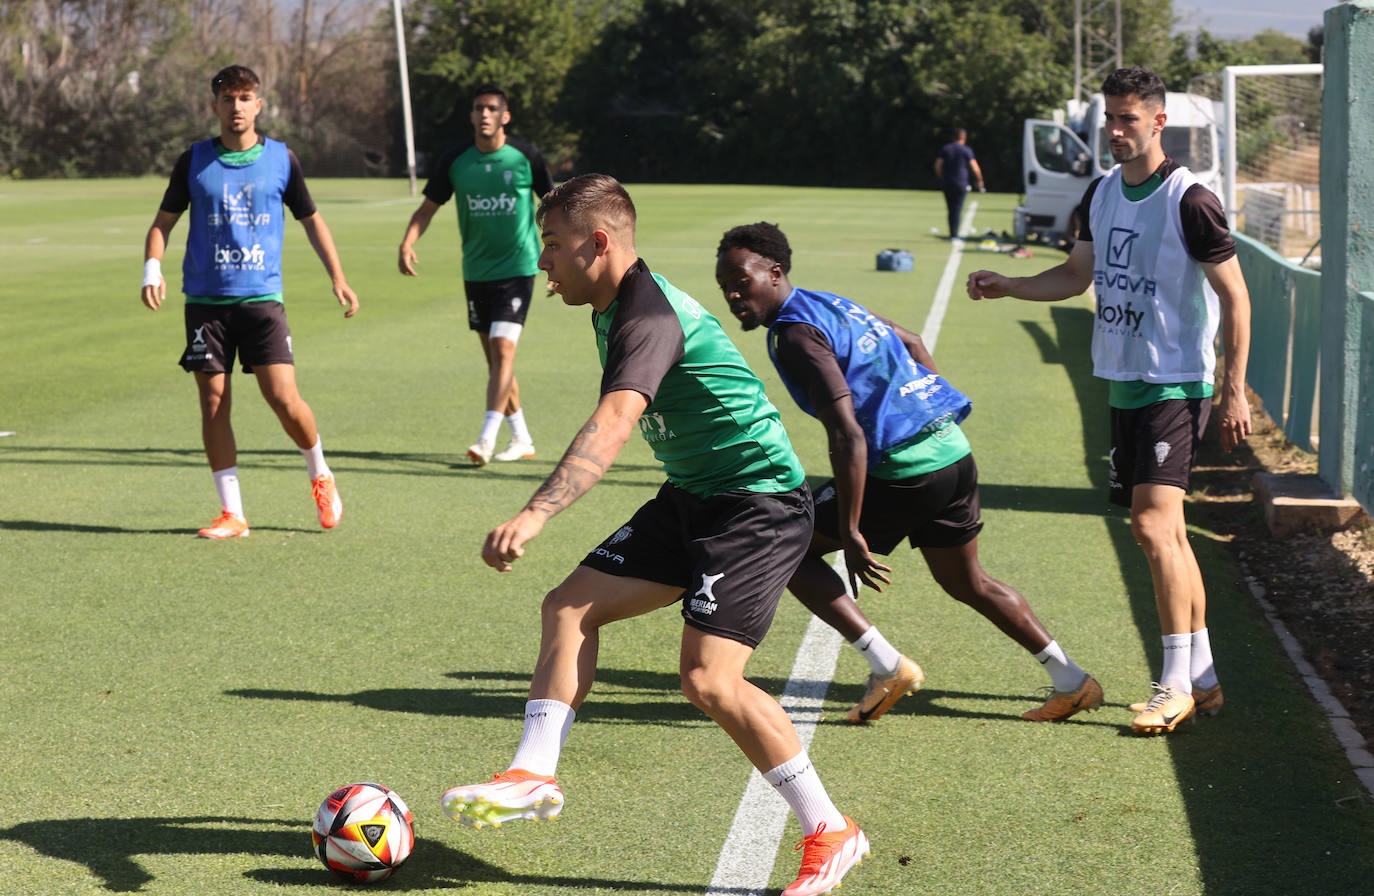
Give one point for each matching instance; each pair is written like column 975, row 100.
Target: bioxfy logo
column 503, row 204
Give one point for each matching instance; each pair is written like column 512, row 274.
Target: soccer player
column 1156, row 248
column 235, row 186
column 902, row 469
column 723, row 534
column 497, row 180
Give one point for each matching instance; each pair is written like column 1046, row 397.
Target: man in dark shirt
column 953, row 166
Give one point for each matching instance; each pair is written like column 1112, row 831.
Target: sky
column 1233, row 19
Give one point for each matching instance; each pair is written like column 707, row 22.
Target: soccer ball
column 363, row 832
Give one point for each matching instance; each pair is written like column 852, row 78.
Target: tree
column 526, row 47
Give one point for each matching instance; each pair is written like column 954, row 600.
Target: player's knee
column 704, row 690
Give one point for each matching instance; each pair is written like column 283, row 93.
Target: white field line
column 751, row 848
column 930, row 333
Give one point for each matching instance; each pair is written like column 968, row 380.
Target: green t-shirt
column 495, row 193
column 926, row 453
column 708, row 421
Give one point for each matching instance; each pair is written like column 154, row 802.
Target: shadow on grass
column 654, row 697
column 109, row 847
column 1272, row 804
column 389, row 463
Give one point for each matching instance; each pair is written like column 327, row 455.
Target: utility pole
column 1096, row 43
column 405, row 94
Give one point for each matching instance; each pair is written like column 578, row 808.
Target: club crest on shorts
column 623, row 533
column 1161, row 451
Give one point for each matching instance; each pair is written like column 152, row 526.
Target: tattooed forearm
column 582, row 466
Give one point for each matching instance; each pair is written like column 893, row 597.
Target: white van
column 1060, row 158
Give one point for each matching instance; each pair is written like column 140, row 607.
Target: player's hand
column 347, row 298
column 862, row 566
column 987, row 285
column 406, row 261
column 153, row 295
column 506, row 543
column 1234, row 422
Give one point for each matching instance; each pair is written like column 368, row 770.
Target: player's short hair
column 1135, row 80
column 958, row 134
column 235, row 77
column 589, row 202
column 491, row 90
column 763, row 239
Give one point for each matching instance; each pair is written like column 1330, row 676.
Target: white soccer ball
column 363, row 832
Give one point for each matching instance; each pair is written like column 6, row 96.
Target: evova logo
column 1120, row 274
column 237, row 206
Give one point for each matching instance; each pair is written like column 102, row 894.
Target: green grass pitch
column 174, row 710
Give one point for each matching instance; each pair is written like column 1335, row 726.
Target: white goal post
column 1269, row 121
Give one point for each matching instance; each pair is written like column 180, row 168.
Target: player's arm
column 593, row 450
column 323, row 243
column 1070, row 278
column 915, row 346
column 154, row 247
column 1228, row 281
column 849, row 466
column 977, row 173
column 939, row 166
column 419, row 223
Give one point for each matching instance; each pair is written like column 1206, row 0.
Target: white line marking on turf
column 751, row 848
column 930, row 333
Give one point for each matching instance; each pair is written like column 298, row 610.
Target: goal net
column 1270, row 121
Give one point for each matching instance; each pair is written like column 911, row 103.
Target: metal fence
column 1285, row 338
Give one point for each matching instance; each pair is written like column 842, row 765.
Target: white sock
column 314, row 460
column 796, row 782
column 546, row 728
column 519, row 430
column 1063, row 671
column 1200, row 665
column 227, row 484
column 1177, row 663
column 882, row 657
column 491, row 425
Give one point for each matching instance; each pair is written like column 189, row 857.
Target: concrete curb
column 1361, row 760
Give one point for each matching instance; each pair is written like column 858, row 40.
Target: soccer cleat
column 480, row 454
column 1060, row 705
column 516, row 450
column 883, row 693
column 327, row 500
column 1206, row 702
column 227, row 525
column 510, row 796
column 1166, row 709
column 827, row 858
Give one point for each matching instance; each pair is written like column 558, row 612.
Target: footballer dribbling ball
column 363, row 832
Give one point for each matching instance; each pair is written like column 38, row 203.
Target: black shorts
column 1155, row 444
column 490, row 301
column 254, row 331
column 936, row 510
column 733, row 553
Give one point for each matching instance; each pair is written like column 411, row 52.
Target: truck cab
column 1061, row 157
